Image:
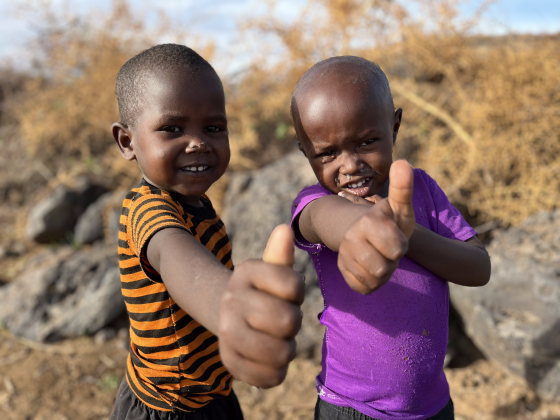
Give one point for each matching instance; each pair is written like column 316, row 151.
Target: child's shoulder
column 422, row 175
column 425, row 184
column 144, row 188
column 309, row 194
column 145, row 192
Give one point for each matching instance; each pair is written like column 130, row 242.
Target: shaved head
column 156, row 61
column 346, row 124
column 343, row 70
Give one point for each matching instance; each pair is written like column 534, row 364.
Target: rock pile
column 515, row 319
column 255, row 203
column 65, row 293
column 56, row 215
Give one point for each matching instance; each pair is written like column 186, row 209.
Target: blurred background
column 479, row 84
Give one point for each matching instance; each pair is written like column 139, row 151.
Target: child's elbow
column 485, row 272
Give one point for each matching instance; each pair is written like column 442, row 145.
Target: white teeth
column 195, row 168
column 359, row 184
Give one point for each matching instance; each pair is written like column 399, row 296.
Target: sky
column 217, row 19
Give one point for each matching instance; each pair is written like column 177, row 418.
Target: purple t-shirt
column 383, row 353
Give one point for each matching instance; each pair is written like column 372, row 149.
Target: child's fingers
column 374, row 199
column 354, row 198
column 381, row 231
column 401, row 188
column 277, row 280
column 262, row 348
column 280, row 247
column 364, row 266
column 271, row 315
column 250, row 372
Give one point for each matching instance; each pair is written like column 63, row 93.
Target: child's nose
column 350, row 165
column 196, row 145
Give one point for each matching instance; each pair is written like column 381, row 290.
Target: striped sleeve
column 149, row 214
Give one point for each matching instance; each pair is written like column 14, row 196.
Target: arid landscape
column 481, row 116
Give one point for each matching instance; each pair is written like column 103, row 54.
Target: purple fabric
column 383, row 353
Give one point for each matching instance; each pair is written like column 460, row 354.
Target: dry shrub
column 65, row 112
column 481, row 114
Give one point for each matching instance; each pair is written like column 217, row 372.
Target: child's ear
column 397, row 124
column 121, row 134
column 300, row 147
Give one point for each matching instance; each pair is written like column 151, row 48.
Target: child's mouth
column 359, row 188
column 195, row 170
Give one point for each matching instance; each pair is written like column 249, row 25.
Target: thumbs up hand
column 280, row 247
column 260, row 314
column 374, row 244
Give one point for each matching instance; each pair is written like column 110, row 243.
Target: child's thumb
column 280, row 246
column 401, row 187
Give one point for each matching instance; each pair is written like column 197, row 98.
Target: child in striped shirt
column 175, row 256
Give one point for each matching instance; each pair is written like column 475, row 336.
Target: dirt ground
column 77, row 380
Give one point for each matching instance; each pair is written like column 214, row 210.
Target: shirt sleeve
column 449, row 221
column 306, row 196
column 148, row 215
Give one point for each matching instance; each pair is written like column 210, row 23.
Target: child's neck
column 190, row 200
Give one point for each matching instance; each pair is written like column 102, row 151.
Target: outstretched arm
column 465, row 263
column 370, row 240
column 326, row 220
column 254, row 310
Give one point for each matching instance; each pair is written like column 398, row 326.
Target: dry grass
column 65, row 111
column 481, row 114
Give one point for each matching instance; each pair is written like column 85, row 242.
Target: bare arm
column 196, row 282
column 326, row 220
column 465, row 263
column 254, row 310
column 370, row 240
column 462, row 262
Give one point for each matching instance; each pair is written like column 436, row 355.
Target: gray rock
column 89, row 226
column 515, row 319
column 55, row 216
column 255, row 203
column 62, row 294
column 104, row 335
column 123, row 339
column 310, row 338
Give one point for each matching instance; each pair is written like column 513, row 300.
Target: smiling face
column 347, row 131
column 180, row 139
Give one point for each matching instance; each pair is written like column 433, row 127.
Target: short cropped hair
column 166, row 57
column 361, row 70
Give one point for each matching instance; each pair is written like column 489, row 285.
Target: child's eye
column 368, row 142
column 327, row 154
column 214, row 129
column 171, row 129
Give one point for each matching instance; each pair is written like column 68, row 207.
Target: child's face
column 180, row 139
column 347, row 132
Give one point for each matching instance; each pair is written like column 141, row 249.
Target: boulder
column 65, row 293
column 257, row 201
column 515, row 319
column 55, row 216
column 90, row 226
column 254, row 204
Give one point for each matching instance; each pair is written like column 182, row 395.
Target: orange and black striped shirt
column 173, row 363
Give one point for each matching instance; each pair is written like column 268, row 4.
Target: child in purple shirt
column 383, row 251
